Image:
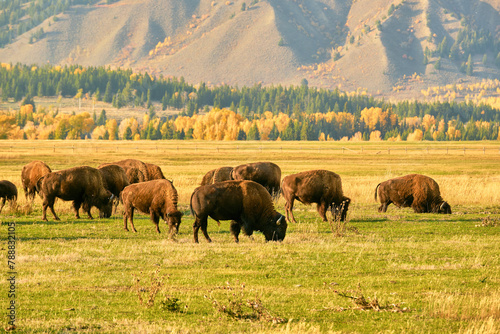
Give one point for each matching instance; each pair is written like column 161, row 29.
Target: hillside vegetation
column 225, row 112
column 389, row 48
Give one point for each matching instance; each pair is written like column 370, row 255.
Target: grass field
column 393, row 272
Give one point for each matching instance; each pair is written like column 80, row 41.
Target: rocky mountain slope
column 385, row 47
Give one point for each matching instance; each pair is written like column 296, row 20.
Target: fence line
column 213, row 147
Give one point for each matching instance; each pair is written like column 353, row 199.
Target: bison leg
column 383, row 207
column 322, row 206
column 155, row 219
column 198, row 222
column 76, row 207
column 129, row 213
column 3, row 203
column 289, row 210
column 235, row 230
column 48, row 202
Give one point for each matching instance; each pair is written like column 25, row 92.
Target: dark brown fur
column 217, row 175
column 267, row 174
column 30, row 175
column 115, row 179
column 8, row 192
column 158, row 198
column 417, row 191
column 81, row 185
column 315, row 186
column 246, row 203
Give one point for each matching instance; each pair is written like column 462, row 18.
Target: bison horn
column 442, row 204
column 112, row 196
column 279, row 220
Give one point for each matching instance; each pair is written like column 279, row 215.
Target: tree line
column 258, row 112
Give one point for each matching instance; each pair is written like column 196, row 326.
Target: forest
column 227, row 113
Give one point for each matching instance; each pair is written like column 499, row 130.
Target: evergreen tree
column 253, row 133
column 470, row 69
column 108, row 94
column 241, row 135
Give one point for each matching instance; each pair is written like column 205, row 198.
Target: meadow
column 380, row 272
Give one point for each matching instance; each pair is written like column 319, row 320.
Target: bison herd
column 244, row 194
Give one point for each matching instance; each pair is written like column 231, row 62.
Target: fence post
column 464, row 150
column 484, row 150
column 388, row 151
column 73, row 147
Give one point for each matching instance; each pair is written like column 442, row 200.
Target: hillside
column 387, row 48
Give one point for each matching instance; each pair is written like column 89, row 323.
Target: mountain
column 390, row 49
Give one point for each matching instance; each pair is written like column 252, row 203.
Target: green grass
column 427, row 272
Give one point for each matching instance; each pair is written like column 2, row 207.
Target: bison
column 30, row 175
column 82, row 185
column 248, row 204
column 217, row 175
column 8, row 192
column 417, row 191
column 158, row 198
column 267, row 174
column 128, row 164
column 315, row 186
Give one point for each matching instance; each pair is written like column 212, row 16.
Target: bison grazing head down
column 444, row 208
column 173, row 220
column 339, row 212
column 276, row 230
column 106, row 207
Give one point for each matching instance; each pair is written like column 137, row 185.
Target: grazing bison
column 30, row 175
column 315, row 186
column 217, row 175
column 8, row 192
column 82, row 185
column 158, row 198
column 246, row 203
column 267, row 174
column 415, row 190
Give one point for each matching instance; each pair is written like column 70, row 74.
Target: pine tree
column 470, row 69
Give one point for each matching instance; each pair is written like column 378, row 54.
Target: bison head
column 277, row 228
column 173, row 220
column 444, row 208
column 339, row 212
column 106, row 206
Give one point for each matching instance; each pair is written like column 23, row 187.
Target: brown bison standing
column 157, row 198
column 246, row 203
column 30, row 175
column 81, row 185
column 217, row 175
column 415, row 190
column 8, row 192
column 315, row 186
column 267, row 174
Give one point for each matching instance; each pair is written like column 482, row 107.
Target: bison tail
column 191, row 205
column 376, row 191
column 38, row 183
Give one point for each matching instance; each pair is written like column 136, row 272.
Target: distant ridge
column 390, row 49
